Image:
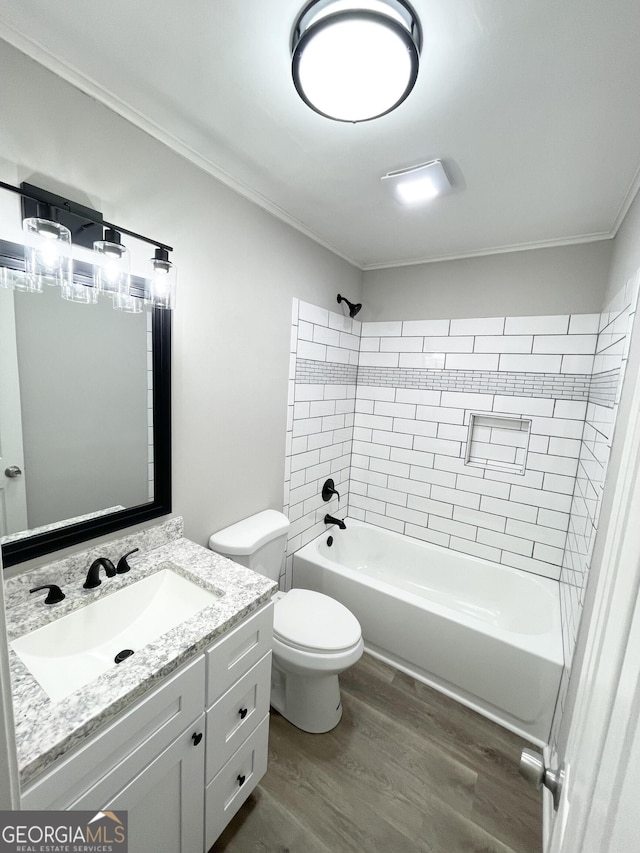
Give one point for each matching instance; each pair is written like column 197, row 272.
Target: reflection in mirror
column 81, row 407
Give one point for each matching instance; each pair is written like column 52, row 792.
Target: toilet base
column 311, row 703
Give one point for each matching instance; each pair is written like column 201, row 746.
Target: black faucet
column 54, row 595
column 328, row 490
column 93, row 575
column 329, row 519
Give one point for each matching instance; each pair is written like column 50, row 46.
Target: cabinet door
column 165, row 801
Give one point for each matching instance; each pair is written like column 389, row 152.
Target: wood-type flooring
column 407, row 769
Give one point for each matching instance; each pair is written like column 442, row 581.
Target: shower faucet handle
column 329, row 490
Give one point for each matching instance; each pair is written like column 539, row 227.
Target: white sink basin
column 79, row 647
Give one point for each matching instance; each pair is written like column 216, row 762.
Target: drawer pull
column 196, row 737
column 243, row 713
column 241, row 780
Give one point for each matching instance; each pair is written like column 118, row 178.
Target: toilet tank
column 257, row 542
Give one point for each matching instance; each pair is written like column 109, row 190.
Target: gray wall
column 561, row 280
column 83, row 393
column 238, row 270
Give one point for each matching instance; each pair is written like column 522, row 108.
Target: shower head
column 353, row 307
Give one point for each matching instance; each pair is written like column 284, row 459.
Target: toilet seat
column 311, row 622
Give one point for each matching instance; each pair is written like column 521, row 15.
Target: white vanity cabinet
column 184, row 758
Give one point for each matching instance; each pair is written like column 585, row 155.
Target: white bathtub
column 485, row 634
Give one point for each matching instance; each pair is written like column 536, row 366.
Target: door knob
column 535, row 771
column 12, row 471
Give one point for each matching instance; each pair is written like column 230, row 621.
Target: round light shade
column 355, row 61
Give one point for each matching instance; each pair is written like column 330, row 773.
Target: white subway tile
column 359, row 460
column 342, row 407
column 351, row 342
column 425, row 327
column 395, row 410
column 476, row 549
column 367, row 503
column 564, row 446
column 354, row 357
column 378, row 359
column 318, row 472
column 335, row 392
column 565, row 344
column 480, row 486
column 510, row 509
column 412, row 516
column 480, row 519
column 378, row 450
column 503, row 343
column 440, row 414
column 548, row 554
column 566, row 465
column 545, row 325
column 364, row 407
column 436, row 445
column 313, row 314
column 375, row 392
column 401, row 344
column 413, row 395
column 379, row 330
column 523, row 405
column 393, row 439
column 297, row 480
column 538, row 443
column 411, row 427
column 332, row 451
column 430, row 506
column 356, row 488
column 427, row 535
column 330, row 422
column 301, row 410
column 412, row 457
column 409, row 487
column 478, row 326
column 506, row 542
column 536, row 567
column 454, row 496
column 455, row 528
column 551, row 518
column 340, row 322
column 538, row 497
column 584, row 324
column 315, row 352
column 536, row 532
column 433, row 475
column 298, row 445
column 531, row 363
column 424, row 361
column 305, row 426
column 474, row 361
column 389, row 496
column 457, row 466
column 577, row 364
column 369, row 344
column 323, row 335
column 305, row 331
column 452, row 432
column 358, row 514
column 557, row 427
column 559, row 483
column 308, row 392
column 448, row 344
column 374, row 421
column 382, row 521
column 575, row 409
column 338, row 355
column 305, row 460
column 384, row 466
column 465, row 400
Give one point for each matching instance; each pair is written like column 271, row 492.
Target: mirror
column 84, row 418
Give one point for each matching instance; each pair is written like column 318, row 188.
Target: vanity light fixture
column 419, row 183
column 52, row 225
column 355, row 60
column 47, row 249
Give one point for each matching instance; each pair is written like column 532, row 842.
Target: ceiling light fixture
column 355, row 60
column 419, row 183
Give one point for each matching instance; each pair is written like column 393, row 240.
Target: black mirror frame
column 29, row 547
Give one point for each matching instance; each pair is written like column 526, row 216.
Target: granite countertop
column 47, row 730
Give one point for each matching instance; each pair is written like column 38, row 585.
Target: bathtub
column 487, row 635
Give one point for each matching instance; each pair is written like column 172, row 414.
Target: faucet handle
column 54, row 595
column 328, row 490
column 123, row 566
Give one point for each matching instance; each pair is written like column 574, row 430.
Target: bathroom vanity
column 178, row 733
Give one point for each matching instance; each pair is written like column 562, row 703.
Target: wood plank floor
column 406, row 770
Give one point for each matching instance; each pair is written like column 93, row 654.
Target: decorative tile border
column 310, row 372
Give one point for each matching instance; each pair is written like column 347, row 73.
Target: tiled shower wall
column 419, row 383
column 322, row 390
column 615, row 325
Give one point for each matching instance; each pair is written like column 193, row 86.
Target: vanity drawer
column 236, row 714
column 225, row 795
column 131, row 741
column 237, row 651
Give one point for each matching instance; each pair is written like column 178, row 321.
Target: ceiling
column 532, row 104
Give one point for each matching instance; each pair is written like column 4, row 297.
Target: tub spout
column 329, row 519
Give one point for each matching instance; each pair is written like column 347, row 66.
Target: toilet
column 315, row 638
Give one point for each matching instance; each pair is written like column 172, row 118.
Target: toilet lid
column 311, row 620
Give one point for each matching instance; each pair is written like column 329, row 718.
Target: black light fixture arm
column 44, row 197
